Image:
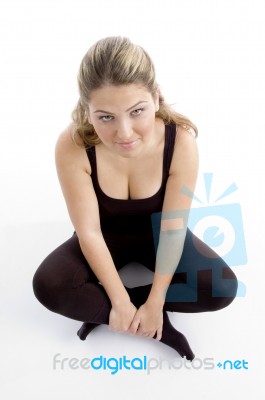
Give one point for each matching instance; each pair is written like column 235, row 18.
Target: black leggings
column 65, row 284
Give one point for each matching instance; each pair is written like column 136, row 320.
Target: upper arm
column 183, row 174
column 73, row 170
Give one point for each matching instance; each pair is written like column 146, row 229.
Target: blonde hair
column 117, row 61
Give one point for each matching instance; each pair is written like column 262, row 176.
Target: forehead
column 110, row 94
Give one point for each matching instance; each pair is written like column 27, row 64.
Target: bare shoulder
column 67, row 139
column 69, row 150
column 184, row 135
column 186, row 154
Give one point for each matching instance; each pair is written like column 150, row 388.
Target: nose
column 124, row 131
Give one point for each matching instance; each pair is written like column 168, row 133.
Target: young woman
column 122, row 164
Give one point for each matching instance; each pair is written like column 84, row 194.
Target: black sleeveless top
column 119, row 217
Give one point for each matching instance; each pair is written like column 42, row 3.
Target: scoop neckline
column 145, row 198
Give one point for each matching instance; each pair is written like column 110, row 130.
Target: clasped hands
column 147, row 321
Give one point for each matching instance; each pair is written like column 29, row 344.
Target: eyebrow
column 107, row 112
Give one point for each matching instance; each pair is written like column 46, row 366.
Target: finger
column 145, row 334
column 115, row 328
column 134, row 326
column 140, row 332
column 159, row 334
column 151, row 335
column 112, row 329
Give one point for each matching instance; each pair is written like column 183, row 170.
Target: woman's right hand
column 121, row 316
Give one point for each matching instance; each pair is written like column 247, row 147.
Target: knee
column 46, row 288
column 224, row 293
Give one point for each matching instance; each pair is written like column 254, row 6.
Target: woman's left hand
column 148, row 321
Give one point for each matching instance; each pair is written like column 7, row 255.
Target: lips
column 131, row 141
column 127, row 145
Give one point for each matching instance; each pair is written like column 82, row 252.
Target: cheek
column 102, row 131
column 147, row 123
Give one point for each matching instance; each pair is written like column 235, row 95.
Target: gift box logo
column 219, row 226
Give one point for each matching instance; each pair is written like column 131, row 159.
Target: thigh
column 64, row 283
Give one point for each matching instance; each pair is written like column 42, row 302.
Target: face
column 124, row 118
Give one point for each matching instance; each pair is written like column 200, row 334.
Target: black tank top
column 133, row 216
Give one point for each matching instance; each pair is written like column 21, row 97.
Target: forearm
column 99, row 259
column 159, row 288
column 168, row 255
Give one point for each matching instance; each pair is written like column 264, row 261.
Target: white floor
column 31, row 336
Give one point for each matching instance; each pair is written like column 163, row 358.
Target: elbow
column 89, row 236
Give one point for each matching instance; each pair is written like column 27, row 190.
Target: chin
column 129, row 152
column 128, row 155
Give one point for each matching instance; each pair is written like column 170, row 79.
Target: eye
column 138, row 111
column 106, row 118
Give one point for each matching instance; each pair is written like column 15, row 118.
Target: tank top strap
column 169, row 148
column 91, row 153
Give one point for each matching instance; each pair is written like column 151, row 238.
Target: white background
column 209, row 57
